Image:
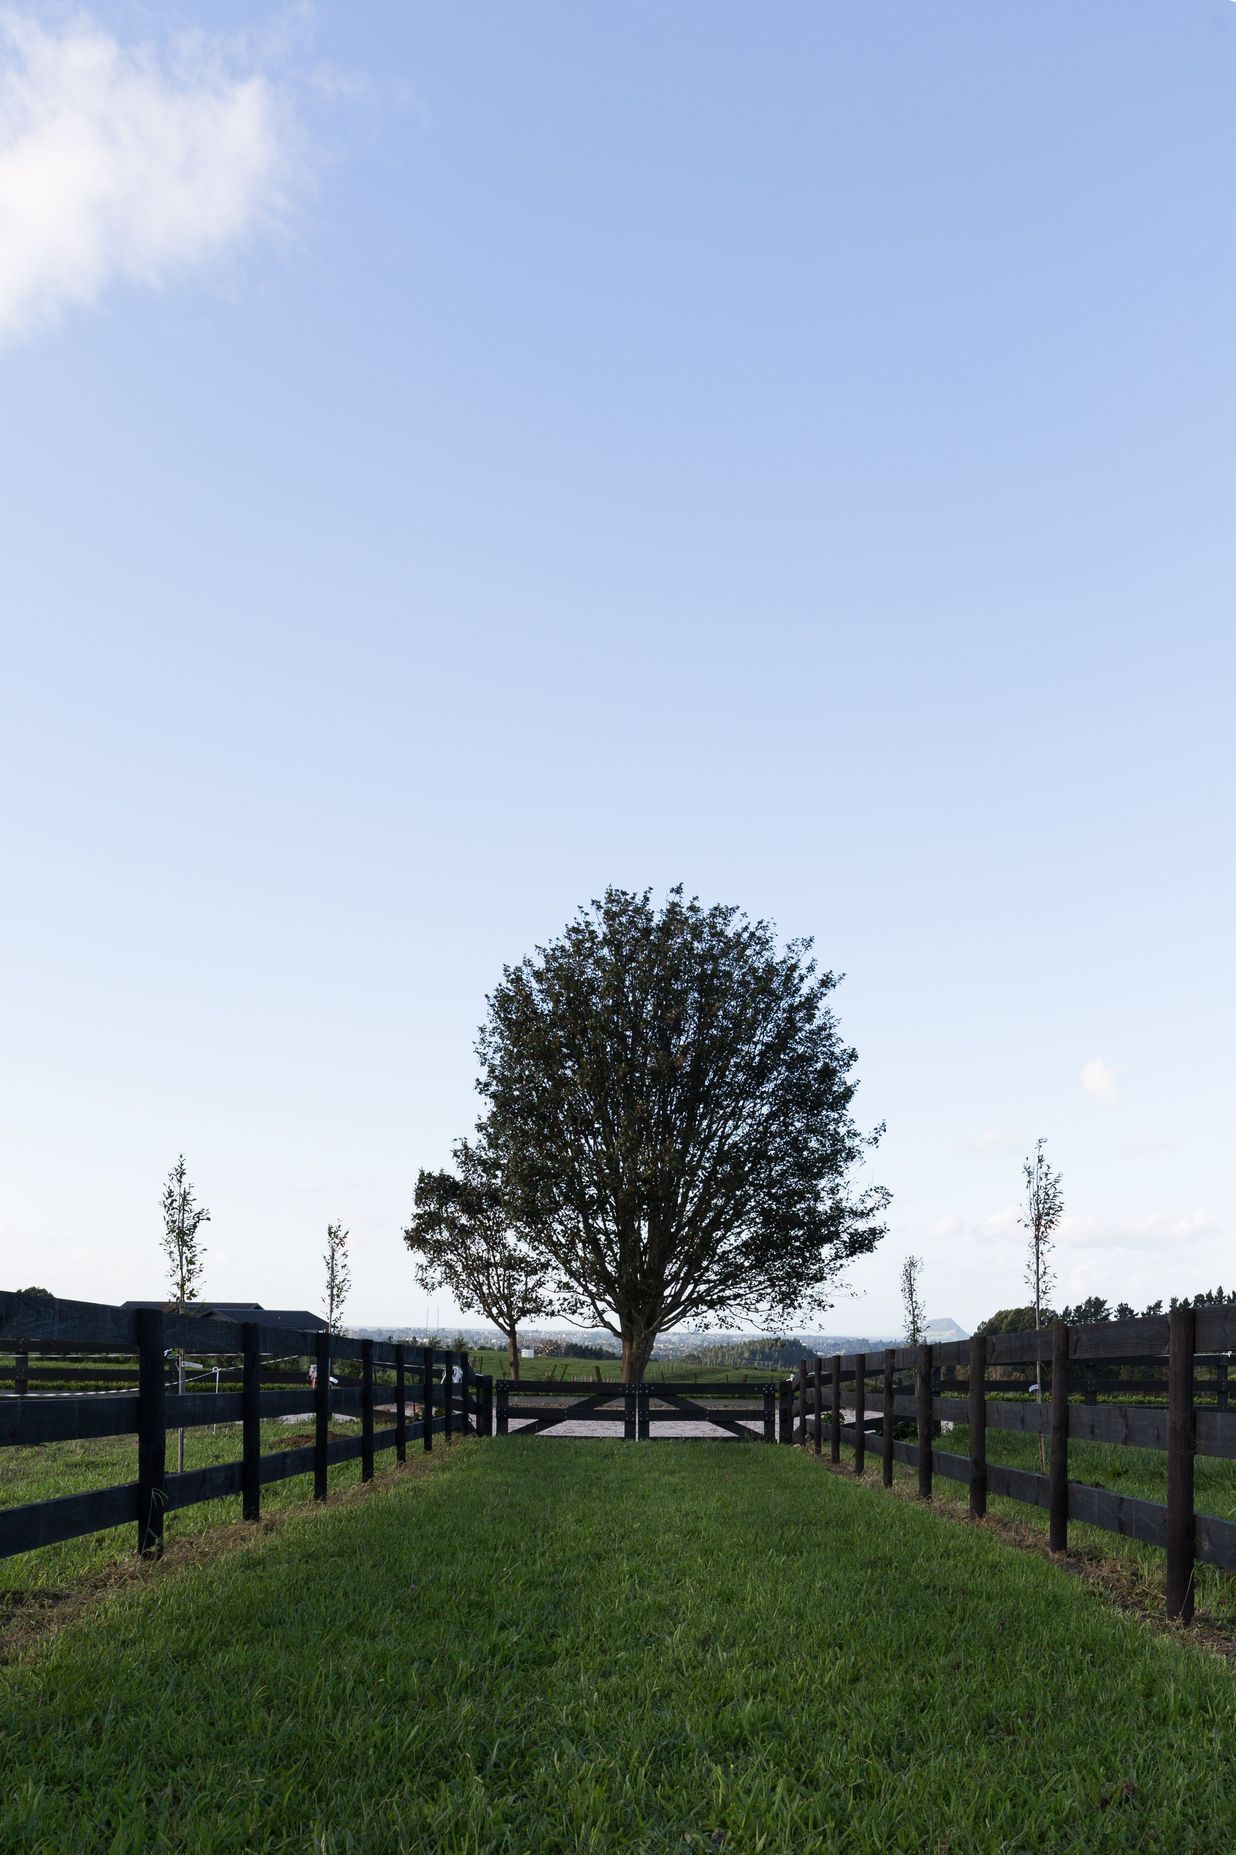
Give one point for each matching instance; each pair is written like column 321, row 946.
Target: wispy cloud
column 1148, row 1141
column 1000, row 1226
column 1154, row 1231
column 121, row 164
column 995, row 1140
column 1099, row 1079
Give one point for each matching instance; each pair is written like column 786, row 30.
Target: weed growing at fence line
column 606, row 1648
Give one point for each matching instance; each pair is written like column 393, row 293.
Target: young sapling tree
column 338, row 1275
column 182, row 1219
column 912, row 1298
column 1044, row 1209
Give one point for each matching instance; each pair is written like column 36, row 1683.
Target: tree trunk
column 180, row 1435
column 1038, row 1370
column 636, row 1352
column 512, row 1354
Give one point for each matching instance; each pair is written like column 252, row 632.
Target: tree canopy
column 460, row 1230
column 1014, row 1320
column 668, row 1111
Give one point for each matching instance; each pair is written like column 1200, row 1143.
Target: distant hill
column 679, row 1341
column 938, row 1332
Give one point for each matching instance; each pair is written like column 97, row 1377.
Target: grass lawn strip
column 46, row 1470
column 604, row 1648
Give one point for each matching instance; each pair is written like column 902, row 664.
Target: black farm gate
column 746, row 1413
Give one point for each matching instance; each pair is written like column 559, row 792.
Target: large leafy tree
column 461, row 1234
column 668, row 1108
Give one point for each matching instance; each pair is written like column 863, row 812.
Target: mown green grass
column 1141, row 1473
column 591, row 1647
column 50, row 1469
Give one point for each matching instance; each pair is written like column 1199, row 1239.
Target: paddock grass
column 1138, row 1472
column 530, row 1648
column 46, row 1470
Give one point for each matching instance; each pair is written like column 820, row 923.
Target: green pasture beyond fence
column 422, row 1391
column 1075, row 1385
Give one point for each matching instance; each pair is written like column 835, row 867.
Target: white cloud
column 119, row 165
column 1156, row 1231
column 1099, row 1079
column 1000, row 1226
column 995, row 1140
column 950, row 1226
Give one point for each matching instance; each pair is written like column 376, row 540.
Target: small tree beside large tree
column 461, row 1234
column 668, row 1121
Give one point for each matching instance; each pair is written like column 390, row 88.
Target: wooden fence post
column 250, row 1423
column 1221, row 1385
column 366, row 1410
column 770, row 1415
column 321, row 1415
column 448, row 1396
column 645, row 1401
column 886, row 1435
column 923, row 1415
column 978, row 1426
column 860, row 1412
column 504, row 1401
column 817, row 1419
column 401, row 1406
column 21, row 1374
column 151, row 1432
column 802, row 1402
column 785, row 1428
column 1180, row 1443
column 427, row 1395
column 834, row 1428
column 1058, row 1524
column 630, row 1414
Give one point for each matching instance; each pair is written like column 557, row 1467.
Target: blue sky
column 453, row 459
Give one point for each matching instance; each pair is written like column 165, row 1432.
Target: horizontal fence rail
column 1081, row 1390
column 418, row 1393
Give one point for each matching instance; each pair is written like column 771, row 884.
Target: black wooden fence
column 143, row 1404
column 746, row 1412
column 1088, row 1374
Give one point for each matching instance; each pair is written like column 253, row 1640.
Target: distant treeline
column 763, row 1353
column 570, row 1349
column 1096, row 1308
